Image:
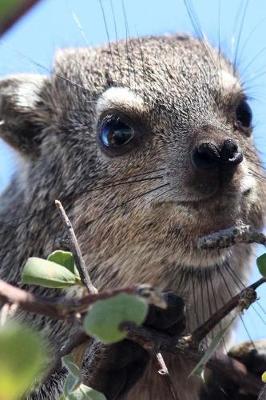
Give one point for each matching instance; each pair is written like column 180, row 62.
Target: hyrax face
column 148, row 142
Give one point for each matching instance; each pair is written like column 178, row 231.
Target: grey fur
column 125, row 238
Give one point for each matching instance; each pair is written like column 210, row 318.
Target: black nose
column 208, row 155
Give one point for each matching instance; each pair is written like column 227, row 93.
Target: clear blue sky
column 51, row 25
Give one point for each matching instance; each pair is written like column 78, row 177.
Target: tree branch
column 151, row 340
column 228, row 237
column 242, row 300
column 83, row 270
column 224, row 365
column 56, row 308
column 81, row 266
column 61, row 308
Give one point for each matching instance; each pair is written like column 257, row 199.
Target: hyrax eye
column 115, row 136
column 243, row 115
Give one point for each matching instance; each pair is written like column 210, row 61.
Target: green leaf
column 71, row 384
column 21, row 358
column 8, row 7
column 261, row 263
column 199, row 368
column 48, row 274
column 105, row 316
column 74, row 378
column 73, row 388
column 69, row 363
column 66, row 259
column 84, row 392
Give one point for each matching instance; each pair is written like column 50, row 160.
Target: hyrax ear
column 23, row 112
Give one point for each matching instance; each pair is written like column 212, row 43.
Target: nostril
column 231, row 154
column 205, row 155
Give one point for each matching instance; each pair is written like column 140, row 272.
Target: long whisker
column 107, row 32
column 207, row 279
column 195, row 303
column 80, row 27
column 240, row 34
column 43, row 67
column 204, row 318
column 127, row 48
column 144, row 73
column 199, row 33
column 259, row 53
column 241, row 286
column 77, row 194
column 122, row 204
column 231, row 295
column 214, row 295
column 101, row 188
column 193, row 19
column 116, row 37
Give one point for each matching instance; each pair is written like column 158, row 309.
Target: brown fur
column 144, row 231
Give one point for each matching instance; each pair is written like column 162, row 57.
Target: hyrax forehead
column 170, row 72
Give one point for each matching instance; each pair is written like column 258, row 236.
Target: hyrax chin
column 148, row 144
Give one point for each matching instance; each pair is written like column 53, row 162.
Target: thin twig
column 228, row 237
column 63, row 309
column 151, row 340
column 242, row 300
column 226, row 366
column 83, row 270
column 164, row 372
column 59, row 308
column 81, row 266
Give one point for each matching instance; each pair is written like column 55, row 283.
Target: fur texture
column 137, row 216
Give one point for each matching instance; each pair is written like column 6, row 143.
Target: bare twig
column 228, row 237
column 59, row 308
column 85, row 278
column 226, row 366
column 163, row 370
column 151, row 340
column 242, row 300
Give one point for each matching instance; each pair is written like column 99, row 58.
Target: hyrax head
column 147, row 141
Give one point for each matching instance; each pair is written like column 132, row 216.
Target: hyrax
column 148, row 144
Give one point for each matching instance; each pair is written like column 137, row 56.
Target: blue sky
column 52, row 25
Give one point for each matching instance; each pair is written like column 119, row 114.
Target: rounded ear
column 24, row 111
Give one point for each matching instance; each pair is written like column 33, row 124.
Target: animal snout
column 208, row 155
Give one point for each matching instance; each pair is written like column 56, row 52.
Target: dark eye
column 244, row 115
column 116, row 136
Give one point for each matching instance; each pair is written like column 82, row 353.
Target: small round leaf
column 261, row 263
column 72, row 368
column 21, row 358
column 104, row 317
